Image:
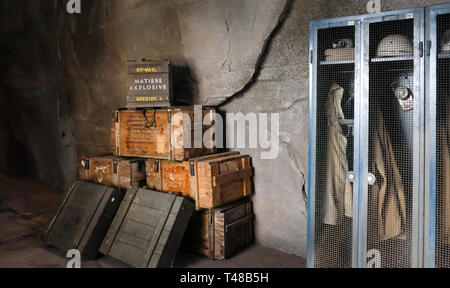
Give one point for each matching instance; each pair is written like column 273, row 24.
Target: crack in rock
column 285, row 109
column 261, row 57
column 296, row 165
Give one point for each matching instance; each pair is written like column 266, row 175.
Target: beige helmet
column 395, row 45
column 445, row 48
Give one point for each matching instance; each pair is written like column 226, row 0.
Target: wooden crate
column 83, row 218
column 222, row 232
column 149, row 84
column 148, row 228
column 112, row 171
column 211, row 181
column 161, row 134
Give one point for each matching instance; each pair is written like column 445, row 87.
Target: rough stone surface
column 62, row 76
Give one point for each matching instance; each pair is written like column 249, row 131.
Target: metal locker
column 437, row 172
column 378, row 223
column 391, row 140
column 334, row 87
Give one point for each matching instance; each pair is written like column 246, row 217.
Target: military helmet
column 395, row 45
column 445, row 48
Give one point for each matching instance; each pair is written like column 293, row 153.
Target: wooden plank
column 238, row 235
column 118, row 220
column 223, row 179
column 223, row 159
column 58, row 211
column 166, row 206
column 181, row 212
column 214, row 156
column 176, row 177
column 144, row 136
column 91, row 227
column 228, row 193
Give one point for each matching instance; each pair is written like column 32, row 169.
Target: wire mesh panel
column 442, row 253
column 334, row 150
column 392, row 111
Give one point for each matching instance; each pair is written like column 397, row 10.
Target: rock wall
column 62, row 76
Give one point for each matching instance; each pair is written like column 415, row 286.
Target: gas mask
column 343, row 43
column 402, row 91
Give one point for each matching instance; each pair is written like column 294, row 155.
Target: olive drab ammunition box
column 83, row 218
column 149, row 84
column 148, row 228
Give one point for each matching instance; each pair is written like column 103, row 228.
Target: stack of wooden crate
column 150, row 149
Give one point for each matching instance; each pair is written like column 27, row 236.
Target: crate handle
column 151, row 123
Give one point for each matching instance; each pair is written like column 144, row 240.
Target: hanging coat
column 338, row 195
column 387, row 194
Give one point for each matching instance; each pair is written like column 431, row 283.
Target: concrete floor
column 25, row 206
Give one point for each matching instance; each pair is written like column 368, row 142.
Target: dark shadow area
column 184, row 85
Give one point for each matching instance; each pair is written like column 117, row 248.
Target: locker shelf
column 392, row 59
column 337, row 62
column 348, row 122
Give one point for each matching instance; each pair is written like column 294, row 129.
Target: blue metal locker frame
column 314, row 62
column 360, row 196
column 432, row 13
column 418, row 15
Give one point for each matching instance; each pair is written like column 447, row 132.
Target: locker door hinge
column 311, row 56
column 421, row 48
column 429, row 45
column 115, row 166
column 192, row 168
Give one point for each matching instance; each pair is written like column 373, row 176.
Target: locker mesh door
column 391, row 137
column 443, row 143
column 334, row 146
